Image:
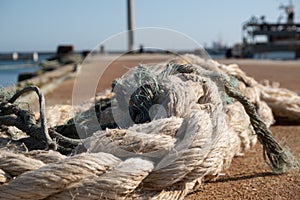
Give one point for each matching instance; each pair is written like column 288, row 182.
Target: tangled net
column 162, row 132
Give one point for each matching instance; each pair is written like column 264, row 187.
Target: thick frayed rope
column 180, row 124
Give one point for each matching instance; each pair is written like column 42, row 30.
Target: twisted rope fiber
column 12, row 115
column 162, row 152
column 49, row 143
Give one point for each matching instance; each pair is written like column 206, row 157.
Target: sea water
column 10, row 69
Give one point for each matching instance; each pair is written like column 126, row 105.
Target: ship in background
column 217, row 49
column 262, row 39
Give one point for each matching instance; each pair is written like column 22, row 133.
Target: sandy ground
column 248, row 176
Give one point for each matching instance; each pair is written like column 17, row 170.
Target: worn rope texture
column 284, row 104
column 190, row 133
column 49, row 143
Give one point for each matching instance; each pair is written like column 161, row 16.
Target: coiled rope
column 181, row 124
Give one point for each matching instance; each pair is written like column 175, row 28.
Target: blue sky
column 36, row 25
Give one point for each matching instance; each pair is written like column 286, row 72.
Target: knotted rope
column 180, row 124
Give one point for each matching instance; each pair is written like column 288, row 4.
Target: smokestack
column 130, row 25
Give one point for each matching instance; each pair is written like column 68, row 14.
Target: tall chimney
column 130, row 25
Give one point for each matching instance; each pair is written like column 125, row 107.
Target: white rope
column 192, row 136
